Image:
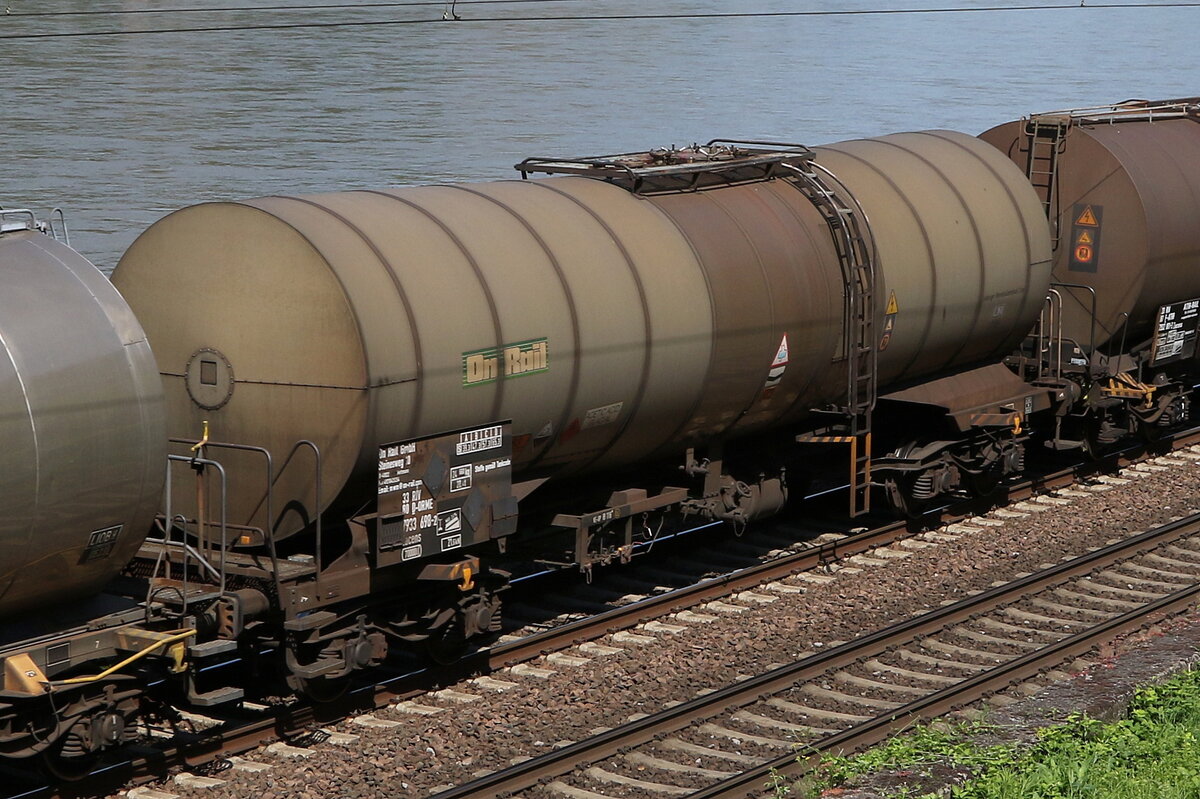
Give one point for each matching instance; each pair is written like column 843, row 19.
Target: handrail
column 189, row 549
column 304, row 442
column 192, row 461
column 1127, row 111
column 268, row 528
column 62, row 221
column 1092, row 332
column 6, row 227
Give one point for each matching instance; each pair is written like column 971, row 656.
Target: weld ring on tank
column 209, row 378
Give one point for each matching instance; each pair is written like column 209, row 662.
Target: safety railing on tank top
column 1128, row 111
column 12, row 219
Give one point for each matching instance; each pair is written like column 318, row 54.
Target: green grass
column 1154, row 753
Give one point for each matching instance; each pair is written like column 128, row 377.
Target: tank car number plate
column 444, row 492
column 1175, row 332
column 101, row 543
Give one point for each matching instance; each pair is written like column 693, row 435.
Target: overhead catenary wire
column 133, row 12
column 713, row 15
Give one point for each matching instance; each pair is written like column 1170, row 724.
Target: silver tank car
column 82, row 446
column 609, row 326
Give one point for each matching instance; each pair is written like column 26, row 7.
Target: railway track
column 858, row 693
column 297, row 723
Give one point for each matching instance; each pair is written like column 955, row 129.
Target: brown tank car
column 1121, row 189
column 609, row 324
column 1123, row 194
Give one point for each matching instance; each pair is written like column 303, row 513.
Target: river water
column 119, row 130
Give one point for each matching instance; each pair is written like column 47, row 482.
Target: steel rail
column 505, row 782
column 753, row 783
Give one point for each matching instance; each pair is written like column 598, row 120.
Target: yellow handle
column 177, row 655
column 203, row 440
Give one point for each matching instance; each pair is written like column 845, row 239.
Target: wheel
column 903, row 498
column 1151, row 432
column 1093, row 444
column 985, row 483
column 907, row 493
column 66, row 761
column 447, row 645
column 321, row 690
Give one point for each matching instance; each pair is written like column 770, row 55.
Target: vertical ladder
column 1045, row 138
column 849, row 231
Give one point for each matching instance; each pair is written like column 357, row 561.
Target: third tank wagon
column 610, row 325
column 1122, row 188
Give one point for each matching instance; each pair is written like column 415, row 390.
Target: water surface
column 120, row 130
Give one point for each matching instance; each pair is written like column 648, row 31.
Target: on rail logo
column 511, row 360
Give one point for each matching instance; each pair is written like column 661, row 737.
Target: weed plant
column 1153, row 753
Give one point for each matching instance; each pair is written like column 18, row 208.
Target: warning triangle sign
column 781, row 355
column 1084, row 238
column 892, row 306
column 1088, row 217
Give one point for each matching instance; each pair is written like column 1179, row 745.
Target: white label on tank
column 449, row 521
column 460, row 478
column 781, row 355
column 479, row 440
column 598, row 417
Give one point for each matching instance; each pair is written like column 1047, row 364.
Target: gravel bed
column 453, row 745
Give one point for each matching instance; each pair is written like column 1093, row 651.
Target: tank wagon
column 81, row 463
column 639, row 308
column 81, row 419
column 1121, row 189
column 365, row 391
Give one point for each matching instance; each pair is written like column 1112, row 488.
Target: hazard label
column 1087, row 217
column 892, row 306
column 781, row 355
column 1084, row 254
column 778, row 367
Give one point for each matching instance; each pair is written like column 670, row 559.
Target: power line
column 594, row 18
column 315, row 7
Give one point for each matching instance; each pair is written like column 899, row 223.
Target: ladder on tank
column 850, row 233
column 1045, row 138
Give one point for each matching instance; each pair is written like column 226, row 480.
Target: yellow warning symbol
column 892, row 307
column 1084, row 238
column 1088, row 217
